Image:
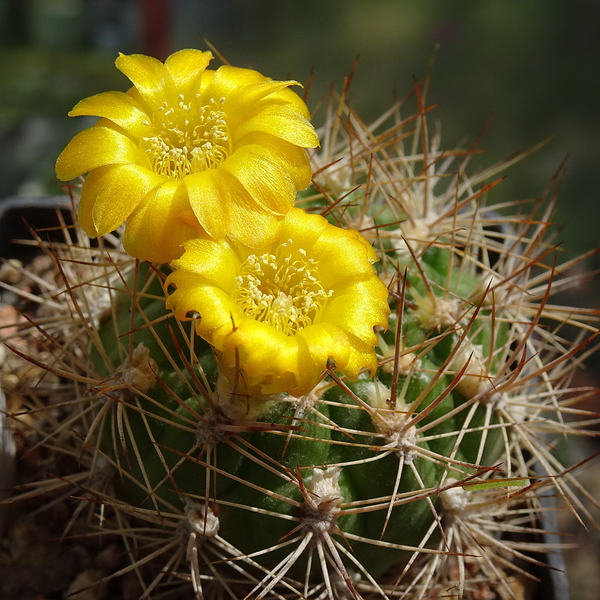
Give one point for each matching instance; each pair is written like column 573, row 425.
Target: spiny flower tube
column 282, row 313
column 188, row 152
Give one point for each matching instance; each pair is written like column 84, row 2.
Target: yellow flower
column 188, row 152
column 285, row 311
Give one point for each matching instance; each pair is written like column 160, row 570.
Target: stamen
column 188, row 138
column 281, row 289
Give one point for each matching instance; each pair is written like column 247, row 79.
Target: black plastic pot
column 19, row 215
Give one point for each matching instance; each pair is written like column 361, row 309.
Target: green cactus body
column 180, row 440
column 385, row 475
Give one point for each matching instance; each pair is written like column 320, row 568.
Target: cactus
column 401, row 481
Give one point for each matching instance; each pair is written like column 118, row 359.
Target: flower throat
column 281, row 290
column 187, row 138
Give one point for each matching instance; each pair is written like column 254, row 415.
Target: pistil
column 188, row 138
column 281, row 289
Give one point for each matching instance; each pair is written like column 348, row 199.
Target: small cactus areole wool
column 189, row 151
column 289, row 310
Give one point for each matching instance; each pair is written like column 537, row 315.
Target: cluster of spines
column 364, row 176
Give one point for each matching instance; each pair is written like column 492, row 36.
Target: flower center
column 281, row 289
column 187, row 138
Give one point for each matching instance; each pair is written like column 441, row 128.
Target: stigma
column 187, row 138
column 281, row 289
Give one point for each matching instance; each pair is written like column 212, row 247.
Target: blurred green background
column 531, row 64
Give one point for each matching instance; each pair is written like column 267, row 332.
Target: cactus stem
column 493, row 370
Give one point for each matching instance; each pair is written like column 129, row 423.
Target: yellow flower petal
column 293, row 371
column 326, row 341
column 154, row 229
column 343, row 249
column 266, row 181
column 228, row 208
column 282, row 123
column 249, row 224
column 151, row 79
column 357, row 317
column 247, row 98
column 283, row 382
column 85, row 209
column 272, row 365
column 291, row 99
column 118, row 107
column 205, row 81
column 214, row 306
column 257, row 341
column 227, row 79
column 199, row 128
column 367, row 287
column 361, row 357
column 219, row 264
column 210, row 198
column 292, row 159
column 111, row 193
column 284, row 326
column 186, row 67
column 304, row 228
column 93, row 148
